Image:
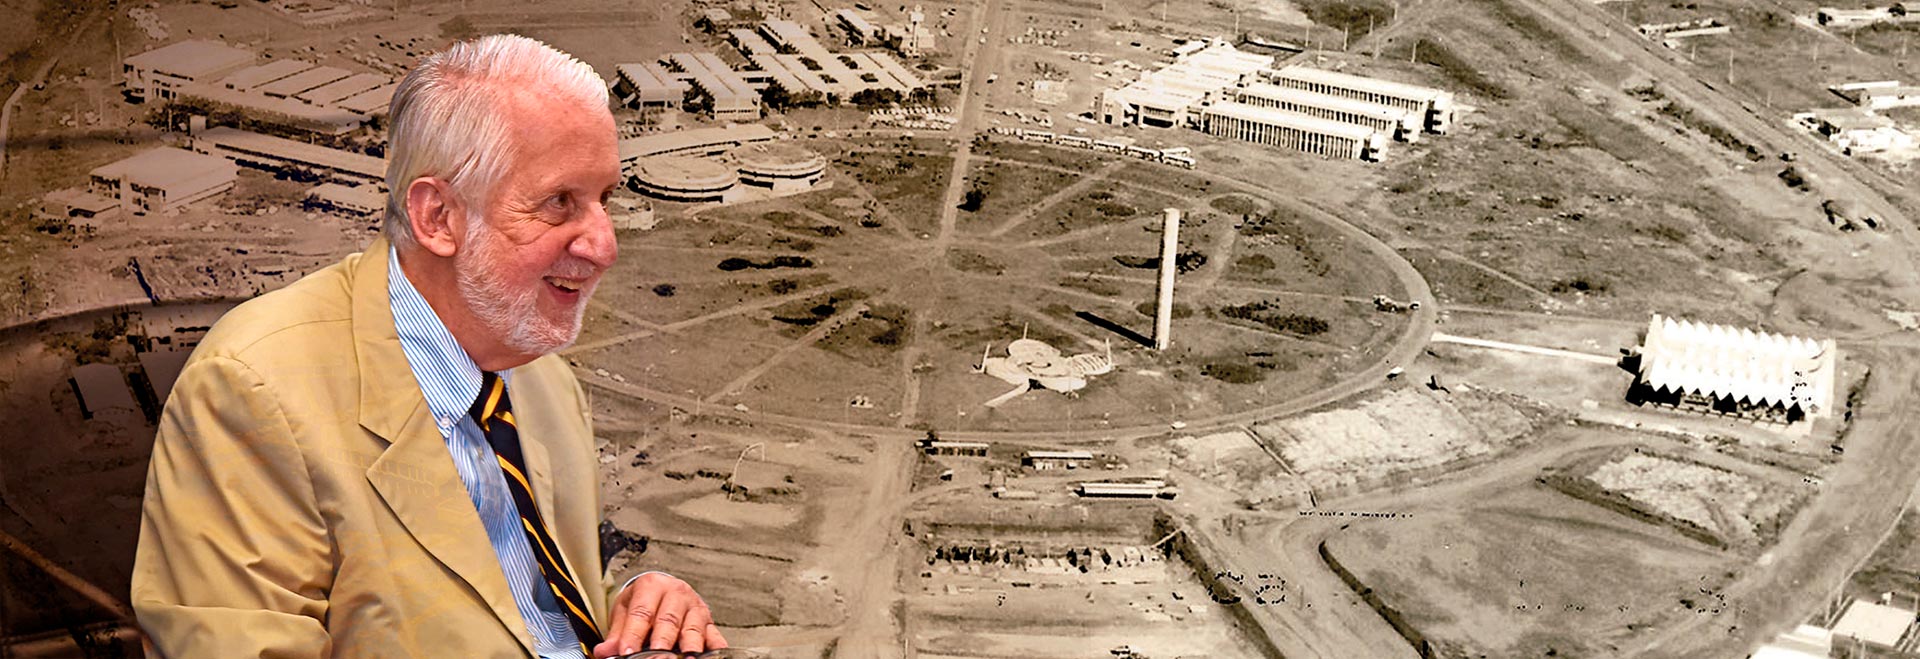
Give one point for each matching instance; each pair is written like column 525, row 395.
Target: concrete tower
column 1169, row 257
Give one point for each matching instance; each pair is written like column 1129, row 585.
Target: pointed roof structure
column 1759, row 369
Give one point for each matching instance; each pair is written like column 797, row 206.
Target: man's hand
column 659, row 612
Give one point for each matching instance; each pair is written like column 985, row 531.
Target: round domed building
column 681, row 178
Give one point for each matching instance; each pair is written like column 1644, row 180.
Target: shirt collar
column 448, row 378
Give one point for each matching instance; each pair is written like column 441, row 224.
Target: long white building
column 1434, row 105
column 1398, row 123
column 1274, row 127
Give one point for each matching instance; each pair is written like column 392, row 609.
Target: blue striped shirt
column 451, row 381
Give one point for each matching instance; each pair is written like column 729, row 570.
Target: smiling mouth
column 565, row 285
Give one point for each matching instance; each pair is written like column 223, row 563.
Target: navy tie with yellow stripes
column 495, row 415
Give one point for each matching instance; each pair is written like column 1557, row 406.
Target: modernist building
column 282, row 155
column 1398, row 123
column 162, row 180
column 780, row 167
column 684, row 179
column 1436, row 107
column 356, row 200
column 1737, row 372
column 649, row 85
column 1274, row 127
column 693, row 142
column 729, row 95
column 1168, row 97
column 158, row 73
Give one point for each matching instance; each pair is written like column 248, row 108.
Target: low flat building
column 693, row 142
column 300, row 82
column 162, row 369
column 1879, row 94
column 254, row 76
column 1804, row 642
column 276, row 110
column 288, row 156
column 648, row 85
column 1856, row 130
column 1125, row 490
column 1877, row 625
column 157, row 73
column 354, row 200
column 1718, row 369
column 162, row 180
column 1272, row 127
column 730, row 97
column 344, row 88
column 81, row 208
column 963, row 449
column 1044, row 460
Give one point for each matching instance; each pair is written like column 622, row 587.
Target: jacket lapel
column 415, row 476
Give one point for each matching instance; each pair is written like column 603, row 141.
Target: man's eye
column 559, row 201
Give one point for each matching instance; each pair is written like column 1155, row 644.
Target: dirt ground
column 1528, row 572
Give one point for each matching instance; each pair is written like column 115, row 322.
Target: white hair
column 448, row 116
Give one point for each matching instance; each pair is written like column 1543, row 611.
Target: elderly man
column 385, row 458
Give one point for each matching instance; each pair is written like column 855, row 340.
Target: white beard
column 514, row 316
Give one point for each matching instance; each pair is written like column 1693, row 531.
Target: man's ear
column 432, row 212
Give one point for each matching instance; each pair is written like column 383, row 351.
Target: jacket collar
column 415, row 476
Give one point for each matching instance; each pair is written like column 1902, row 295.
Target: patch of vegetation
column 1185, row 262
column 664, row 290
column 1253, row 263
column 1267, row 312
column 1233, row 372
column 1458, row 70
column 1148, row 308
column 1719, row 134
column 1586, row 284
column 1234, row 204
column 973, row 199
column 736, row 263
column 809, row 312
column 1355, row 17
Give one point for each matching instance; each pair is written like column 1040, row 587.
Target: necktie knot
column 492, row 402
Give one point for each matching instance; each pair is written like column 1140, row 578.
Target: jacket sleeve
column 234, row 558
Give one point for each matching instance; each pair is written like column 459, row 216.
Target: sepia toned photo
column 960, row 329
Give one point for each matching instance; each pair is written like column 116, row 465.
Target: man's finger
column 610, row 644
column 640, row 614
column 693, row 631
column 666, row 623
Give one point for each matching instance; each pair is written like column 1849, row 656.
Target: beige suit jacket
column 302, row 503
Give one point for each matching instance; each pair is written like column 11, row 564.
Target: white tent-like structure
column 1735, row 371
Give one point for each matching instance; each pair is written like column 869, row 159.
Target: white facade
column 160, row 72
column 1727, row 370
column 1399, row 123
column 1170, row 96
column 1436, row 106
column 1272, row 127
column 162, row 180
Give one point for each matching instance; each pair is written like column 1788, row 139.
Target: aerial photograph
column 1058, row 329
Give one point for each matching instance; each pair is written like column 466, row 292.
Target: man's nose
column 596, row 242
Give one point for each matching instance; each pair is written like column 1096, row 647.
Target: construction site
column 1308, row 328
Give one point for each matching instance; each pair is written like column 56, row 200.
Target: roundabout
column 872, row 290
